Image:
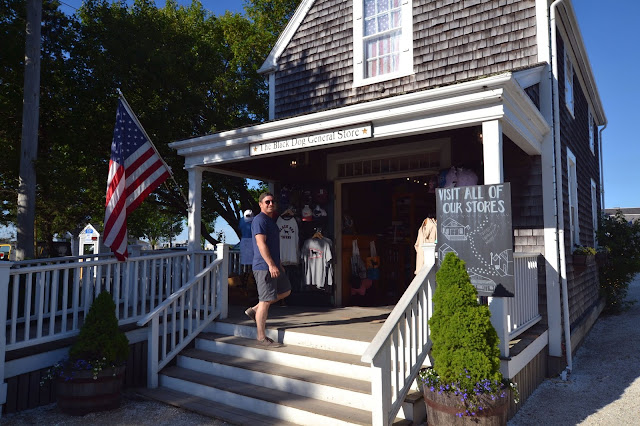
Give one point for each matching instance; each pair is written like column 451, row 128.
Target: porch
column 168, row 300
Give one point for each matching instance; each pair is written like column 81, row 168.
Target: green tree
column 154, row 223
column 621, row 239
column 184, row 71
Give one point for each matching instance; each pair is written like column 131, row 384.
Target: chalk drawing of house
column 443, row 250
column 454, row 231
column 500, row 261
column 482, row 283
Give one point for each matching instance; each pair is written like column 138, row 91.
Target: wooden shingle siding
column 574, row 134
column 583, row 287
column 453, row 41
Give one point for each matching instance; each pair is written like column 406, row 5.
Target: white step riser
column 358, row 372
column 292, row 338
column 299, row 387
column 282, row 412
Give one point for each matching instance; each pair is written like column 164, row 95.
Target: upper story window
column 568, row 83
column 572, row 186
column 592, row 141
column 383, row 42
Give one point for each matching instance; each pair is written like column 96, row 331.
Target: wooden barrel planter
column 443, row 409
column 83, row 394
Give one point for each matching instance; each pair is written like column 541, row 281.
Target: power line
column 68, row 5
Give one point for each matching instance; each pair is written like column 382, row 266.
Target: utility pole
column 30, row 118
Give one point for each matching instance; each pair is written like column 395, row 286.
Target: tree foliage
column 465, row 344
column 621, row 240
column 185, row 73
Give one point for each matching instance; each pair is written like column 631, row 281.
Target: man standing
column 273, row 284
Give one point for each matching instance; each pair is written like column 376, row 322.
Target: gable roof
column 270, row 64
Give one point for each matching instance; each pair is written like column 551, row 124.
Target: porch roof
column 500, row 97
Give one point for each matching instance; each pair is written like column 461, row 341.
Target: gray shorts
column 269, row 288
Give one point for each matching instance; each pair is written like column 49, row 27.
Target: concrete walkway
column 604, row 387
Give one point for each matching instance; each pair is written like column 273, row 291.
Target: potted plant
column 464, row 385
column 582, row 254
column 90, row 378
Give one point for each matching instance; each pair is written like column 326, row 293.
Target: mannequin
column 246, row 248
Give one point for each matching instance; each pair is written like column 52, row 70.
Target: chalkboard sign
column 474, row 222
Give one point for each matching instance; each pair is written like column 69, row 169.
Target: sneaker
column 251, row 314
column 269, row 343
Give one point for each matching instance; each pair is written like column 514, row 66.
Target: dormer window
column 383, row 42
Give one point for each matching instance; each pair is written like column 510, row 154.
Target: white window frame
column 594, row 210
column 572, row 189
column 406, row 45
column 569, row 98
column 592, row 140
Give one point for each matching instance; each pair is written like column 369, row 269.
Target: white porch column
column 195, row 206
column 494, row 173
column 492, row 152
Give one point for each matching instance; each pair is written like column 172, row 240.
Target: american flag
column 135, row 170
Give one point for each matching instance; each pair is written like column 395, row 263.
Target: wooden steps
column 235, row 379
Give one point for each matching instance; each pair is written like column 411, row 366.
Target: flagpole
column 135, row 117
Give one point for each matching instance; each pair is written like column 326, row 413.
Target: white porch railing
column 401, row 346
column 404, row 340
column 47, row 299
column 181, row 317
column 511, row 316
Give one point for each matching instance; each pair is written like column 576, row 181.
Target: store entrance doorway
column 383, row 216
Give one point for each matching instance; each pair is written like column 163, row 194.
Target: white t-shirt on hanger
column 289, row 237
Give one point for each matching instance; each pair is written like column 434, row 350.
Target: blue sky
column 610, row 33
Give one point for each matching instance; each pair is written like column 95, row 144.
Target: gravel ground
column 604, row 387
column 134, row 410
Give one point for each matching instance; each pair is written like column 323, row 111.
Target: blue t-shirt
column 263, row 224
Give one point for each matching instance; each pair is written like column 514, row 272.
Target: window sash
column 382, row 33
column 591, row 133
column 568, row 83
column 572, row 183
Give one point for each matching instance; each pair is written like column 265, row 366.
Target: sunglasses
column 267, row 202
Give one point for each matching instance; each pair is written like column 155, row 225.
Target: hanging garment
column 317, row 262
column 428, row 233
column 289, row 237
column 373, row 262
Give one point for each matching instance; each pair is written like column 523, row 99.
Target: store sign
column 312, row 140
column 474, row 222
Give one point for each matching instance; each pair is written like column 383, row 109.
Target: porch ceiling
column 462, row 105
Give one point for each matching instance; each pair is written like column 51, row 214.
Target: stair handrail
column 403, row 341
column 205, row 303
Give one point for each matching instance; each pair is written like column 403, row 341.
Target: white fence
column 511, row 316
column 181, row 317
column 46, row 300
